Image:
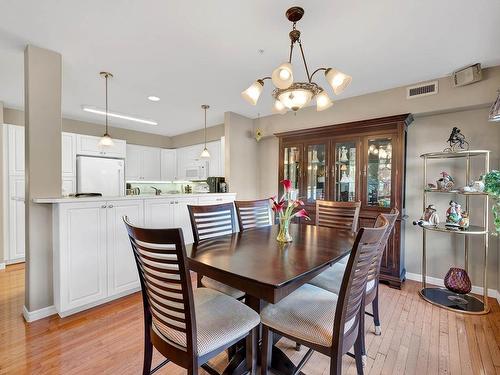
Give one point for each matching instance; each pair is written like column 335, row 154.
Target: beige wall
column 466, row 107
column 240, row 150
column 16, row 117
column 43, row 93
column 196, row 137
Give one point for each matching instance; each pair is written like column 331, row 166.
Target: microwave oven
column 197, row 171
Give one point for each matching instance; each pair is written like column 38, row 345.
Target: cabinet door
column 181, row 217
column 16, row 150
column 68, row 151
column 345, row 170
column 82, row 254
column 16, row 218
column 133, row 163
column 151, row 164
column 214, row 169
column 168, row 165
column 89, row 145
column 378, row 173
column 122, row 269
column 159, row 213
column 69, row 185
column 316, row 172
column 292, row 167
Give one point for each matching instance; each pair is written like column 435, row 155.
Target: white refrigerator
column 100, row 175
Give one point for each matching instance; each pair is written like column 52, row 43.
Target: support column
column 3, row 256
column 43, row 89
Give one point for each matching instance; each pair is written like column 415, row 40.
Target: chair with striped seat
column 187, row 326
column 209, row 222
column 253, row 214
column 323, row 321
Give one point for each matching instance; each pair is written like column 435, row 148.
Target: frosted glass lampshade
column 295, row 99
column 205, row 154
column 338, row 80
column 278, row 107
column 252, row 93
column 282, row 76
column 323, row 101
column 495, row 109
column 106, row 141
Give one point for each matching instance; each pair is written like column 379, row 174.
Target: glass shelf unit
column 472, row 229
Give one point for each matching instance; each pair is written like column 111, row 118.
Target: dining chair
column 331, row 279
column 339, row 215
column 323, row 321
column 253, row 214
column 208, row 222
column 186, row 326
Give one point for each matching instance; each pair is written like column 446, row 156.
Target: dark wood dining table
column 266, row 270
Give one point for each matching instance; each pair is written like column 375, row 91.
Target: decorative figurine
column 446, row 182
column 456, row 141
column 343, row 154
column 464, row 221
column 453, row 215
column 457, row 281
column 431, row 186
column 429, row 217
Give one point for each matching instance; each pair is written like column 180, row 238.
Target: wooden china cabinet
column 356, row 161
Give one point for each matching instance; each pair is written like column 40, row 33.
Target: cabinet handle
column 219, row 199
column 103, row 206
column 110, row 206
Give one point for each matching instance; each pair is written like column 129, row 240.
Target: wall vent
column 424, row 89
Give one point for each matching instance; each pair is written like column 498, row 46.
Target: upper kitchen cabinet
column 89, row 146
column 143, row 163
column 168, row 165
column 16, row 150
column 188, row 159
column 215, row 168
column 68, row 150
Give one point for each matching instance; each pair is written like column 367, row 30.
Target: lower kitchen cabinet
column 93, row 260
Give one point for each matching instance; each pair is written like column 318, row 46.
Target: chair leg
column 193, row 371
column 198, row 280
column 336, row 364
column 148, row 357
column 376, row 316
column 267, row 350
column 358, row 352
column 298, row 347
column 361, row 336
column 251, row 351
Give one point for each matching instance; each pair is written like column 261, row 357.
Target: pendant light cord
column 205, row 127
column 106, row 78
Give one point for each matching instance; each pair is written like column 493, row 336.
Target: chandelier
column 295, row 95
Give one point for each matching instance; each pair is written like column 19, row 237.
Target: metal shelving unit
column 442, row 297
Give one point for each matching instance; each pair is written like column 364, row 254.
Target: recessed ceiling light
column 154, row 98
column 99, row 111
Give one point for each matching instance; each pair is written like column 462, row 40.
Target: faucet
column 157, row 191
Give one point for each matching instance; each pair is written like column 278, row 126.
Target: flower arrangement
column 492, row 187
column 285, row 209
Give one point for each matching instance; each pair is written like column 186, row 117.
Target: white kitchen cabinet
column 143, row 163
column 81, row 255
column 68, row 153
column 89, row 146
column 93, row 259
column 68, row 185
column 16, row 150
column 122, row 269
column 190, row 155
column 215, row 199
column 168, row 165
column 16, row 250
column 214, row 169
column 181, row 217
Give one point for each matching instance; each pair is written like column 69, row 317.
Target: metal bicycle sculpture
column 456, row 141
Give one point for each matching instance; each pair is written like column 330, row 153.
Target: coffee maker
column 217, row 184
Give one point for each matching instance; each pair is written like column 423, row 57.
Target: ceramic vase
column 457, row 281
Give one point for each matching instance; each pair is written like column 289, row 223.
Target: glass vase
column 284, row 232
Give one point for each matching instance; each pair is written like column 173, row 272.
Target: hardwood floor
column 417, row 338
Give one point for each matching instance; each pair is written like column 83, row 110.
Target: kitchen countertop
column 127, row 197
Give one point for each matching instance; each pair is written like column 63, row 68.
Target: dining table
column 254, row 262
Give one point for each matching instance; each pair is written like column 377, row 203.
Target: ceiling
column 194, row 52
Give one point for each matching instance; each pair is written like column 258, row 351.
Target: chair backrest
column 212, row 220
column 340, row 215
column 352, row 290
column 253, row 214
column 167, row 293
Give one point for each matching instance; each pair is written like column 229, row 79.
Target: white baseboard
column 2, row 266
column 439, row 282
column 31, row 316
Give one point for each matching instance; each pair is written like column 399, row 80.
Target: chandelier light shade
column 252, row 93
column 106, row 140
column 338, row 80
column 291, row 95
column 205, row 154
column 495, row 109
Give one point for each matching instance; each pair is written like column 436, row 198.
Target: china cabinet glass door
column 378, row 172
column 291, row 166
column 316, row 172
column 345, row 171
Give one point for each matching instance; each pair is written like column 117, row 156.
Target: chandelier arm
column 291, row 52
column 317, row 70
column 305, row 63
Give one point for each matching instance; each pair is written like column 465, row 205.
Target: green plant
column 492, row 187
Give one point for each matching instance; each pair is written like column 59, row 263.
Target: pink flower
column 277, row 206
column 298, row 203
column 287, row 184
column 302, row 213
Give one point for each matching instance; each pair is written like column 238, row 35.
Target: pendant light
column 106, row 140
column 205, row 154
